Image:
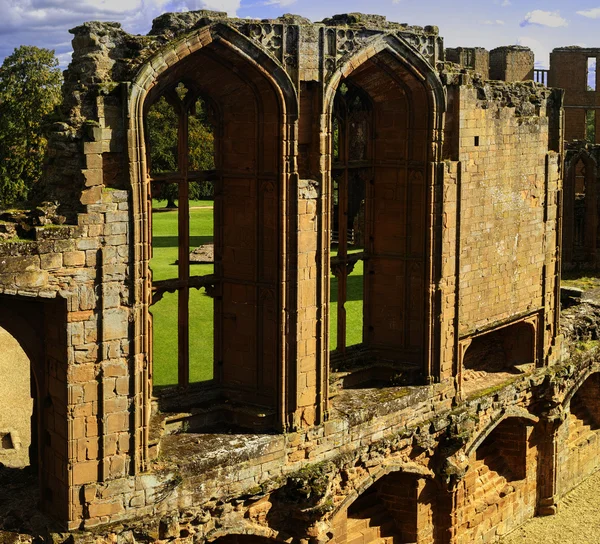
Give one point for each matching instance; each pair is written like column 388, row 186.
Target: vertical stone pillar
column 548, row 466
column 309, row 378
column 449, row 281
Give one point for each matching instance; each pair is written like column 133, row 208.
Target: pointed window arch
column 182, row 165
column 381, row 130
column 251, row 109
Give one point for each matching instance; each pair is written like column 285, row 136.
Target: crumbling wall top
column 510, row 48
column 591, row 51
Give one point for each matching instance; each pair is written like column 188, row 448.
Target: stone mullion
column 342, row 255
column 139, row 238
column 343, row 190
column 324, row 215
column 591, row 214
column 184, row 250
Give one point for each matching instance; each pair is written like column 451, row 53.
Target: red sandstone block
column 98, row 509
column 84, row 473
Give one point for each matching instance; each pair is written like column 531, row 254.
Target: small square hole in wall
column 476, row 143
column 6, row 442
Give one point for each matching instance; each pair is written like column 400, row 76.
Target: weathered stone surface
column 460, row 413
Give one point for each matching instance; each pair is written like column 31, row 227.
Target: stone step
column 370, row 535
column 578, row 429
column 373, row 512
column 369, row 525
column 580, row 410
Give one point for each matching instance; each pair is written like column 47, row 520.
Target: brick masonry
column 463, row 216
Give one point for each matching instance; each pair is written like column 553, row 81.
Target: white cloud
column 282, row 3
column 503, row 3
column 492, row 23
column 593, row 13
column 45, row 22
column 230, row 6
column 544, row 18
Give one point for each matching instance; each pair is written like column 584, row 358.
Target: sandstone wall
column 463, row 186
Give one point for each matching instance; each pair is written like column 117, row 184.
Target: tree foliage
column 162, row 125
column 30, row 83
column 590, row 126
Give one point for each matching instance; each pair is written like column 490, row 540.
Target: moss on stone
column 491, row 390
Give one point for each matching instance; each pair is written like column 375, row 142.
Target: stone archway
column 401, row 106
column 501, row 481
column 580, row 222
column 578, row 438
column 401, row 507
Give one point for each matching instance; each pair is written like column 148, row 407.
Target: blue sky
column 541, row 25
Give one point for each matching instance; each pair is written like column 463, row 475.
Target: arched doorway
column 19, row 456
column 502, row 473
column 400, row 507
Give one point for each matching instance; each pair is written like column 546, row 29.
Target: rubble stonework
column 462, row 273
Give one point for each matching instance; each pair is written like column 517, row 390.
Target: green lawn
column 580, row 279
column 165, row 249
column 158, row 204
column 354, row 308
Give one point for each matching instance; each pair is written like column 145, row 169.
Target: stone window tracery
column 352, row 170
column 182, row 160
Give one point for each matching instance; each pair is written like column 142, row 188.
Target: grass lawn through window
column 354, row 308
column 201, row 310
column 164, row 256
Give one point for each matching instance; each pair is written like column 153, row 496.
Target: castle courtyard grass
column 165, row 243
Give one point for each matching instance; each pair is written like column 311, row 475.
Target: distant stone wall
column 569, row 71
column 511, row 63
column 474, row 58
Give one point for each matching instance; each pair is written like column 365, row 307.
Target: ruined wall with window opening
column 383, row 224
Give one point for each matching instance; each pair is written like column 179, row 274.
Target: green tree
column 162, row 126
column 30, row 83
column 590, row 126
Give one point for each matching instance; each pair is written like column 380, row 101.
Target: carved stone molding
column 338, row 44
column 280, row 41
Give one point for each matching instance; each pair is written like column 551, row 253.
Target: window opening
column 590, row 126
column 591, row 74
column 182, row 169
column 579, row 211
column 352, row 171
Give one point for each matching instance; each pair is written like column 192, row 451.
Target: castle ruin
column 463, row 410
